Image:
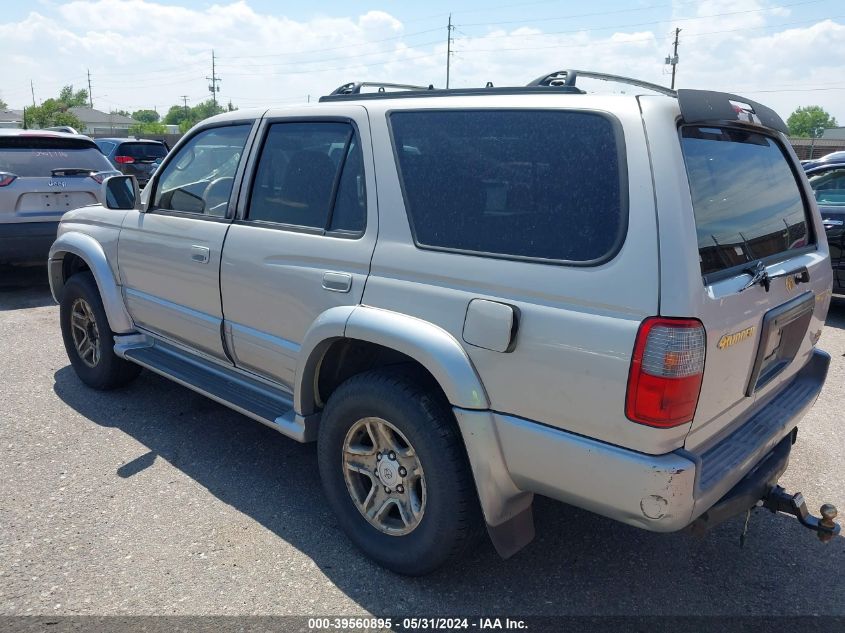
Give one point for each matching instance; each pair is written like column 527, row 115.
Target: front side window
column 537, row 184
column 310, row 175
column 745, row 197
column 200, row 177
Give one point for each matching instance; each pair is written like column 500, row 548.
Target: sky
column 149, row 54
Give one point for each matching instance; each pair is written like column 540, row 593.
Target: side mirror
column 121, row 192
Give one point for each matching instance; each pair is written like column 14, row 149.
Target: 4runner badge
column 737, row 337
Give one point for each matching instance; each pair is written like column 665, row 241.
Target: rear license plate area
column 781, row 335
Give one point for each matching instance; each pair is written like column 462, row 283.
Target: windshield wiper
column 71, row 171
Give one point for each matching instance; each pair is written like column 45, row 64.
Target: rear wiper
column 71, row 171
column 758, row 276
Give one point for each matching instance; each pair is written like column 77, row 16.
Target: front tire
column 395, row 471
column 88, row 339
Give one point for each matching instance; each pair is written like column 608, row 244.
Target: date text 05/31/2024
column 413, row 624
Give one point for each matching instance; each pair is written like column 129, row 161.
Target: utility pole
column 449, row 30
column 673, row 60
column 213, row 88
column 185, row 101
column 90, row 95
column 32, row 88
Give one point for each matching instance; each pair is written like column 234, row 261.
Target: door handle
column 200, row 254
column 337, row 282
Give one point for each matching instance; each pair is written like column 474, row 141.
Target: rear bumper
column 26, row 242
column 661, row 493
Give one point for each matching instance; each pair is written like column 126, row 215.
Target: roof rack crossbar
column 354, row 87
column 568, row 77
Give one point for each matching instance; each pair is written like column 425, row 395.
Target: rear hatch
column 758, row 274
column 140, row 158
column 43, row 176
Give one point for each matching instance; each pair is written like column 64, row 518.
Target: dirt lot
column 155, row 500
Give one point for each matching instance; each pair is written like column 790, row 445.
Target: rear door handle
column 200, row 254
column 337, row 282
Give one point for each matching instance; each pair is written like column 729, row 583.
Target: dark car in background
column 828, row 183
column 43, row 175
column 133, row 157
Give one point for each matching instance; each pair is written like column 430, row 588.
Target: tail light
column 6, row 178
column 124, row 160
column 666, row 372
column 100, row 176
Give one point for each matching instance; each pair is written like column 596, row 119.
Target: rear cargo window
column 746, row 199
column 546, row 185
column 37, row 157
column 142, row 150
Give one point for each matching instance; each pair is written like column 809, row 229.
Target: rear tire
column 390, row 430
column 88, row 339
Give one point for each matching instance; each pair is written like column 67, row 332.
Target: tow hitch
column 779, row 500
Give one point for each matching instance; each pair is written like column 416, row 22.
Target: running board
column 229, row 387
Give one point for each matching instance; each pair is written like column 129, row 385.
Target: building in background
column 97, row 122
column 11, row 118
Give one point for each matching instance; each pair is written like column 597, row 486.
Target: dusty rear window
column 32, row 156
column 745, row 196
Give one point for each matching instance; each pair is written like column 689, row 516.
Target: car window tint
column 297, row 171
column 533, row 184
column 200, row 178
column 105, row 146
column 350, row 207
column 745, row 197
column 37, row 157
column 149, row 151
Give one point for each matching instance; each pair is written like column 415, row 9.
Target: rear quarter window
column 529, row 184
column 745, row 196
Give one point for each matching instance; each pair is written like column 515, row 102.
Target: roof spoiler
column 706, row 106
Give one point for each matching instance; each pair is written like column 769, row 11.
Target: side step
column 229, row 387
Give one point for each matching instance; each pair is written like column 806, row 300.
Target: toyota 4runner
column 467, row 297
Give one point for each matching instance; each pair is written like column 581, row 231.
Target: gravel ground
column 155, row 500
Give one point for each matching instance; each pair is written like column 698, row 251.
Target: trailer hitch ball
column 829, row 513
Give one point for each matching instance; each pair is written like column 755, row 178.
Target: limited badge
column 737, row 337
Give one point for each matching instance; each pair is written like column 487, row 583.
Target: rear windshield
column 546, row 185
column 746, row 199
column 29, row 157
column 142, row 150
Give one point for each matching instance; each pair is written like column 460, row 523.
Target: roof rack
column 567, row 78
column 489, row 89
column 354, row 87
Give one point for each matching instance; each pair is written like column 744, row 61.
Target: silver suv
column 43, row 175
column 467, row 297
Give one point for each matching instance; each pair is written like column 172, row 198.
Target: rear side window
column 746, row 199
column 829, row 187
column 38, row 157
column 546, row 185
column 141, row 151
column 310, row 175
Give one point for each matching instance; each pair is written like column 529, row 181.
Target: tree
column 808, row 121
column 51, row 113
column 3, row 104
column 152, row 128
column 186, row 118
column 146, row 116
column 71, row 98
column 120, row 112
